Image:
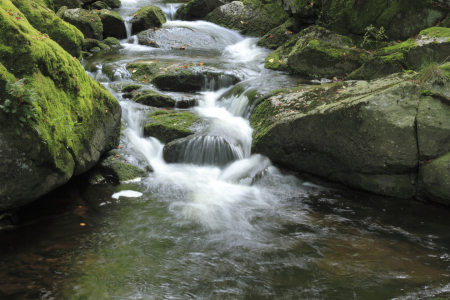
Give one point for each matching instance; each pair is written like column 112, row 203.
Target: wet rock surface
column 168, row 125
column 148, row 17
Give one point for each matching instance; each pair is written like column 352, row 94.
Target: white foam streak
column 128, row 193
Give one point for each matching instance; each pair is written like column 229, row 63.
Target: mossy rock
column 109, row 70
column 60, row 11
column 89, row 44
column 113, row 24
column 87, row 21
column 45, row 20
column 250, row 17
column 401, row 19
column 112, row 42
column 57, row 4
column 356, row 133
column 434, row 180
column 178, row 77
column 197, row 9
column 113, row 3
column 151, row 98
column 168, row 125
column 115, row 166
column 147, row 17
column 379, row 67
column 317, row 51
column 77, row 118
column 277, row 37
column 131, row 88
column 85, row 54
column 99, row 5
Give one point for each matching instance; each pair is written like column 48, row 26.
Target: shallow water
column 221, row 223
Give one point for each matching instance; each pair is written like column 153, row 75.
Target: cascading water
column 219, row 222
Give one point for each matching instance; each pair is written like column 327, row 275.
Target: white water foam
column 128, row 193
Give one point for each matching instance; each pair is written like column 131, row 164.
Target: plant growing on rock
column 21, row 103
column 374, row 35
column 432, row 72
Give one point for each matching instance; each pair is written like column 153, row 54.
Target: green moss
column 112, row 42
column 130, row 88
column 151, row 98
column 87, row 21
column 147, row 17
column 67, row 95
column 437, row 32
column 120, row 170
column 169, row 125
column 45, row 20
column 276, row 62
column 277, row 36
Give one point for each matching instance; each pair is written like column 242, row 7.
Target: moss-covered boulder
column 198, row 9
column 60, row 11
column 250, row 17
column 402, row 19
column 99, row 5
column 357, row 133
column 45, row 21
column 152, row 98
column 317, row 51
column 147, row 17
column 168, row 125
column 116, row 167
column 90, row 44
column 76, row 120
column 131, row 88
column 113, row 3
column 113, row 24
column 430, row 46
column 112, row 42
column 88, row 22
column 278, row 36
column 179, row 77
column 57, row 4
column 434, row 180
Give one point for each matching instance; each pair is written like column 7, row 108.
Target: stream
column 223, row 223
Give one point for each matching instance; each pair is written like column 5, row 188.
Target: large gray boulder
column 362, row 135
column 250, row 18
column 389, row 136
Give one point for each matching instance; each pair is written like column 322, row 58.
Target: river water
column 208, row 228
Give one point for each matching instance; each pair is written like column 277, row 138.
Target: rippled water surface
column 222, row 223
